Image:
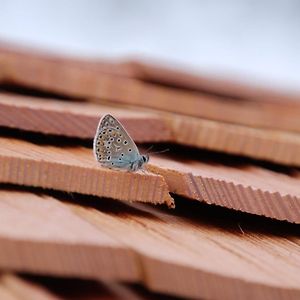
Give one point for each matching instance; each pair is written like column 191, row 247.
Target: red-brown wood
column 163, row 73
column 73, row 169
column 38, row 234
column 80, row 120
column 74, row 119
column 242, row 187
column 196, row 252
column 72, row 79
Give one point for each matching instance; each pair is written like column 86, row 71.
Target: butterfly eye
column 119, row 140
column 129, row 150
column 100, row 136
column 109, row 130
column 108, row 158
column 125, row 142
column 106, row 123
column 111, row 139
column 117, row 127
column 122, row 154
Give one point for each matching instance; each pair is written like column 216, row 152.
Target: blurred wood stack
column 80, row 231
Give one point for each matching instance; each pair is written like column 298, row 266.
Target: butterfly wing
column 113, row 146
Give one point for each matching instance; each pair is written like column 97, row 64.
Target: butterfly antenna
column 162, row 151
column 147, row 150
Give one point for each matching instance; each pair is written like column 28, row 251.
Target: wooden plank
column 21, row 289
column 160, row 72
column 5, row 293
column 38, row 234
column 76, row 170
column 80, row 120
column 57, row 288
column 241, row 187
column 277, row 146
column 198, row 252
column 114, row 67
column 163, row 73
column 72, row 79
column 75, row 119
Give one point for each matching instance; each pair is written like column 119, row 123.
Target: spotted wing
column 113, row 146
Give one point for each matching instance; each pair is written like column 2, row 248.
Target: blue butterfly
column 114, row 148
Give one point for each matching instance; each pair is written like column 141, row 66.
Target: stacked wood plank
column 60, row 212
column 80, row 119
column 242, row 187
column 181, row 254
column 205, row 121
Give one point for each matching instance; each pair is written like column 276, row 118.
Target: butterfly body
column 114, row 148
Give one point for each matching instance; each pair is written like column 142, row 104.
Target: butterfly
column 114, row 148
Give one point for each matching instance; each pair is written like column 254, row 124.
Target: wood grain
column 72, row 79
column 80, row 120
column 207, row 257
column 75, row 119
column 219, row 256
column 76, row 170
column 38, row 234
column 277, row 146
column 241, row 187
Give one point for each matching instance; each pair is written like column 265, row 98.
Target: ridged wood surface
column 277, row 146
column 219, row 256
column 57, row 216
column 75, row 119
column 80, row 120
column 241, row 187
column 76, row 170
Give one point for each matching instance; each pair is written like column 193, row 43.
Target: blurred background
column 256, row 42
